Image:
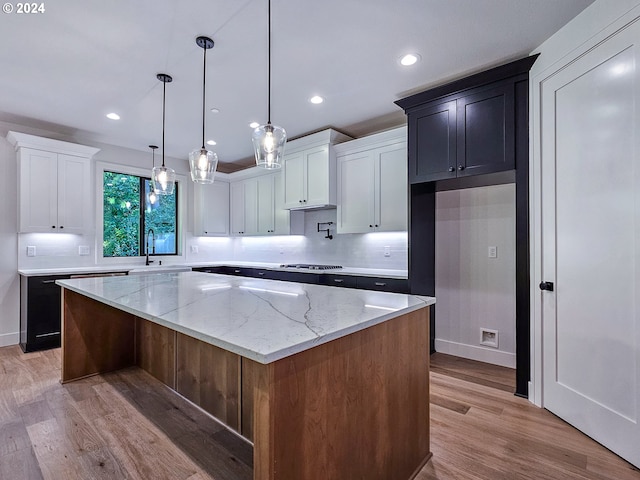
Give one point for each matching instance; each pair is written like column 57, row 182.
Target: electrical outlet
column 83, row 250
column 281, row 249
column 493, row 252
column 194, row 248
column 387, row 251
column 31, row 251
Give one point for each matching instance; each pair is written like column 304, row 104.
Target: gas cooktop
column 310, row 266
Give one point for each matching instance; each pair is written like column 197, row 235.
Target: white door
column 73, row 194
column 293, row 172
column 266, row 205
column 391, row 192
column 591, row 243
column 356, row 180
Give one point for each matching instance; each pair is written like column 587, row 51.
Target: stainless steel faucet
column 151, row 233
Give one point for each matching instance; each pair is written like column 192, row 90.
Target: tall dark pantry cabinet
column 469, row 133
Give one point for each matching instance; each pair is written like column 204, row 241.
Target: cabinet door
column 317, row 177
column 38, row 190
column 237, row 208
column 391, row 197
column 432, row 136
column 73, row 194
column 486, row 131
column 281, row 215
column 212, row 209
column 356, row 199
column 266, row 205
column 250, row 207
column 293, row 172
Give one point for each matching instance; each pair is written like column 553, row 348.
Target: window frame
column 102, row 167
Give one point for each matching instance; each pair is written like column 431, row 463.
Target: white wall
column 61, row 250
column 473, row 290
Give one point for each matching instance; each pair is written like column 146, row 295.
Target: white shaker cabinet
column 372, row 183
column 212, row 209
column 309, row 170
column 54, row 179
column 244, row 207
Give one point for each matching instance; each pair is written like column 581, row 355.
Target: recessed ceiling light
column 254, row 124
column 211, row 142
column 113, row 116
column 215, row 110
column 409, row 59
column 316, row 99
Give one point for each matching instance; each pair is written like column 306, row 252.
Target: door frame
column 593, row 26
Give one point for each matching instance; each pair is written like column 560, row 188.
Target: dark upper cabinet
column 467, row 127
column 486, row 131
column 432, row 154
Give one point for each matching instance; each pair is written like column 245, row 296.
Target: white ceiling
column 82, row 59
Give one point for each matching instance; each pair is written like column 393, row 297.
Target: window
column 131, row 213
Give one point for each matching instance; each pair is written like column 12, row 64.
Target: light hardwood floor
column 128, row 425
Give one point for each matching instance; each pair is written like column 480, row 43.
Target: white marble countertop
column 367, row 272
column 264, row 320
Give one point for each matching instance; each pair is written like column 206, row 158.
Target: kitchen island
column 327, row 383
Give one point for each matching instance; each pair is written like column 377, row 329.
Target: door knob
column 548, row 286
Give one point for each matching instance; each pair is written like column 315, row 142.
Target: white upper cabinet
column 309, row 170
column 372, row 183
column 54, row 178
column 256, row 205
column 211, row 209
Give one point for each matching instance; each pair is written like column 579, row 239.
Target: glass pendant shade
column 268, row 145
column 163, row 180
column 202, row 164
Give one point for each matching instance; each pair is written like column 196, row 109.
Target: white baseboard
column 472, row 352
column 7, row 339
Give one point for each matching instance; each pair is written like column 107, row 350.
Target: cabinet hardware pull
column 376, row 225
column 53, row 226
column 337, row 280
column 48, row 281
column 380, row 284
column 452, row 169
column 260, row 273
column 460, row 167
column 47, row 334
column 370, row 226
column 236, row 271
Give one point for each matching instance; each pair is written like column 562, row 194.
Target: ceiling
column 81, row 59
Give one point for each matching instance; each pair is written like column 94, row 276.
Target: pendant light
column 202, row 162
column 163, row 178
column 152, row 192
column 269, row 140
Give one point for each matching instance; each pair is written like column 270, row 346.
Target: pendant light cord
column 204, row 79
column 269, row 76
column 164, row 100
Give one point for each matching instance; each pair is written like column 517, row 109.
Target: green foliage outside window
column 129, row 214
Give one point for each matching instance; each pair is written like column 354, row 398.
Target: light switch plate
column 83, row 250
column 387, row 251
column 493, row 252
column 31, row 251
column 194, row 248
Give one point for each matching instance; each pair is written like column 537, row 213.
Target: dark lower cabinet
column 347, row 281
column 40, row 312
column 397, row 285
column 383, row 284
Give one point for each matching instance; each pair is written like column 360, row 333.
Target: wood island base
column 353, row 408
